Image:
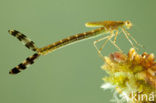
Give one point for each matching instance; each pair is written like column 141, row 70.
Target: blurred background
column 72, row 74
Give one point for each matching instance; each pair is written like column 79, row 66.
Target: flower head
column 133, row 76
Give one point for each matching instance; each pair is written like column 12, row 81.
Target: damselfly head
column 128, row 24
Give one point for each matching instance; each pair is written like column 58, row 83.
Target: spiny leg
column 114, row 42
column 133, row 38
column 24, row 64
column 112, row 34
column 99, row 52
column 116, row 45
column 124, row 31
column 116, row 34
column 26, row 41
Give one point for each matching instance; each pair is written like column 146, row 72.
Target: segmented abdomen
column 45, row 50
column 25, row 40
column 24, row 64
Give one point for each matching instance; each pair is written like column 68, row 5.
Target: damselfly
column 111, row 27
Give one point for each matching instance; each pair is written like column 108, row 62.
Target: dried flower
column 132, row 76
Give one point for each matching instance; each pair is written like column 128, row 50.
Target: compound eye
column 128, row 24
